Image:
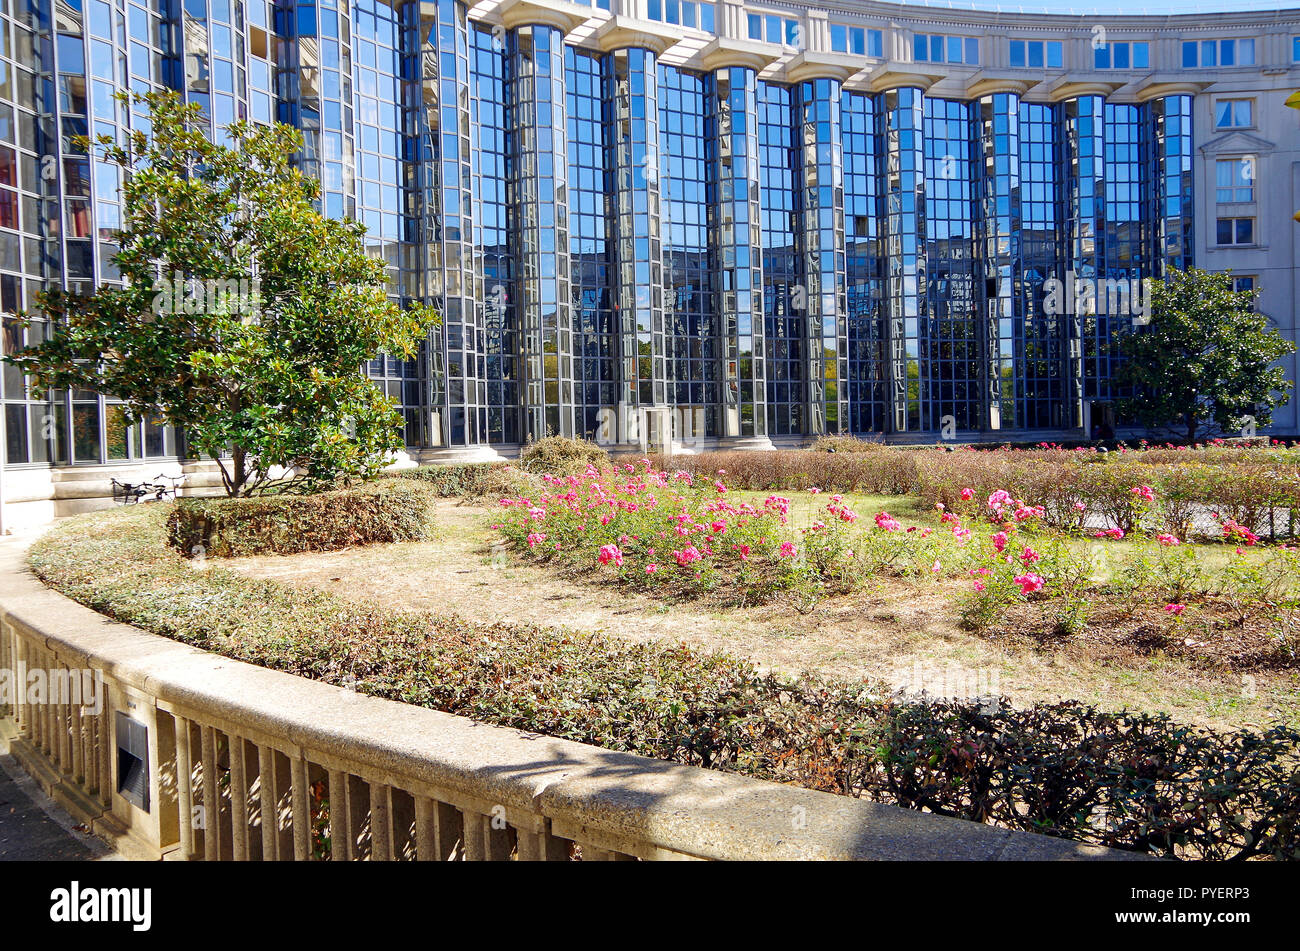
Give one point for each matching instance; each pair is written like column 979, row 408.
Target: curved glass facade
column 768, row 237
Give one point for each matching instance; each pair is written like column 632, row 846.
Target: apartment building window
column 688, row 13
column 1234, row 231
column 1201, row 53
column 1234, row 179
column 1234, row 113
column 1037, row 54
column 1122, row 56
column 857, row 40
column 774, row 29
column 933, row 48
column 1246, row 284
column 1295, row 49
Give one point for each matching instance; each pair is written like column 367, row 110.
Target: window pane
column 1245, row 52
column 1141, row 56
column 1055, row 55
column 85, row 432
column 15, row 433
column 954, row 49
column 972, row 51
column 1017, row 53
column 919, row 48
column 1223, row 231
column 1101, row 57
column 1245, row 230
column 1121, row 60
column 42, row 432
column 1189, row 55
column 117, row 432
column 839, row 38
column 1208, row 53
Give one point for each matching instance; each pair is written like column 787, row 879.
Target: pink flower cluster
column 1144, row 492
column 1029, row 583
column 1238, row 532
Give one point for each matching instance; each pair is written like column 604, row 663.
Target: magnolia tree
column 1206, row 361
column 244, row 316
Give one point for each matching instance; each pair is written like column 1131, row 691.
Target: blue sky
column 1114, row 6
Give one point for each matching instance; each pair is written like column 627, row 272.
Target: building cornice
column 722, row 53
column 813, row 64
column 620, row 32
column 988, row 83
column 901, row 75
column 932, row 18
column 1237, row 141
column 1072, row 87
column 557, row 13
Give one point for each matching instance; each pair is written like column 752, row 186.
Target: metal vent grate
column 133, row 761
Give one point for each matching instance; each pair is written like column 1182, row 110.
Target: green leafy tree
column 1206, row 360
column 244, row 316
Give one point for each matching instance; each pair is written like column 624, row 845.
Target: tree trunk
column 240, row 458
column 1191, row 429
column 234, row 481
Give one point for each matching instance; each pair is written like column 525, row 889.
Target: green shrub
column 1126, row 780
column 475, row 480
column 562, row 456
column 385, row 511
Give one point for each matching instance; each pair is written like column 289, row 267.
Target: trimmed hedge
column 886, row 471
column 1259, row 491
column 1259, row 488
column 385, row 511
column 1126, row 780
column 472, row 480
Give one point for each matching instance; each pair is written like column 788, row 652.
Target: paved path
column 34, row 828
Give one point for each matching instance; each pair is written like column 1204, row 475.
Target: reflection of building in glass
column 837, row 219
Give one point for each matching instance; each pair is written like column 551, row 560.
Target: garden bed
column 900, row 631
column 1124, row 780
